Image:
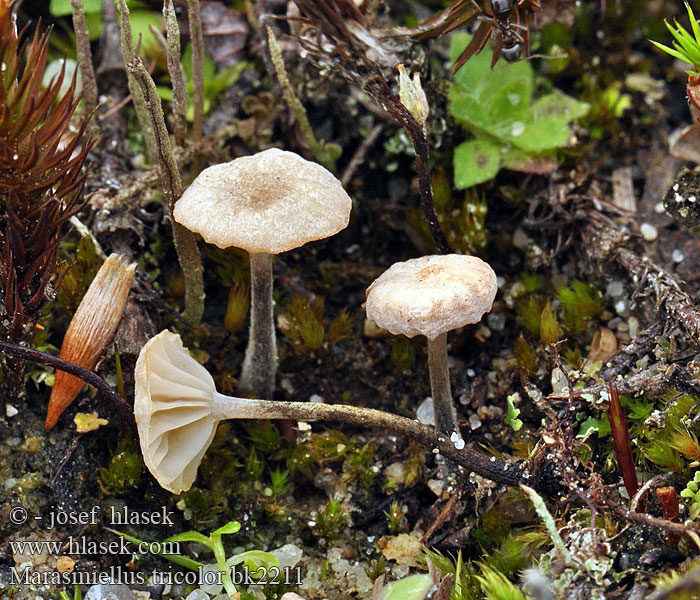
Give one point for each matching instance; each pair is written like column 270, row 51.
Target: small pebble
column 287, row 386
column 659, row 208
column 484, row 332
column 10, row 410
column 496, row 321
column 474, row 422
column 649, row 232
column 521, row 239
column 426, row 412
column 614, row 323
column 677, row 256
column 436, row 486
column 622, row 308
column 457, row 440
column 614, row 289
column 633, row 323
column 110, row 591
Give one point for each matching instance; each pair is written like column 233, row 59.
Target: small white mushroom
column 177, row 409
column 267, row 203
column 430, row 296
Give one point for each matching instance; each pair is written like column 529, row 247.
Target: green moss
column 395, row 517
column 331, row 519
column 123, row 471
column 305, row 324
column 403, row 352
column 581, row 303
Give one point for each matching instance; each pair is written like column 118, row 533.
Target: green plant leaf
column 230, row 527
column 541, row 135
column 61, row 8
column 476, row 161
column 510, row 104
column 558, row 104
column 413, row 587
column 467, row 110
column 183, row 561
column 482, row 82
column 529, row 162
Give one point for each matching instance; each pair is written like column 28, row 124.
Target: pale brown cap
column 432, row 295
column 172, row 407
column 272, row 201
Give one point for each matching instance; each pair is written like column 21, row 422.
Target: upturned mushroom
column 177, row 410
column 267, row 203
column 430, row 296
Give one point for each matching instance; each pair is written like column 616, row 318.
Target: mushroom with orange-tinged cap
column 430, row 296
column 267, row 203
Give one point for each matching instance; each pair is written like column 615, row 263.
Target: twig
column 87, row 70
column 604, row 243
column 134, row 191
column 185, row 242
column 360, row 154
column 645, row 519
column 87, row 376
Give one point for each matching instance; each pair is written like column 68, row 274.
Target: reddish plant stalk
column 623, row 447
column 668, row 499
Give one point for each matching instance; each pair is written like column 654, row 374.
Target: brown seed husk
column 91, row 330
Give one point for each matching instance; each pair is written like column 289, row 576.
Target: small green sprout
column 253, row 559
column 413, row 587
column 512, row 413
column 77, row 594
column 686, row 46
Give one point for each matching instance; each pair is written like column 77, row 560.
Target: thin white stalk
column 260, row 362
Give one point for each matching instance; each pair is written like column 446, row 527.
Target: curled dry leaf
column 91, row 330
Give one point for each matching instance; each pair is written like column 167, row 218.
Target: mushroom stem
column 260, row 362
column 508, row 472
column 445, row 415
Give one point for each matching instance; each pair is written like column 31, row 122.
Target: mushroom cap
column 173, row 411
column 272, row 201
column 431, row 295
